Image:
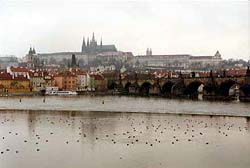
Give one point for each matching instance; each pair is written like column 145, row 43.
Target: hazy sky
column 168, row 27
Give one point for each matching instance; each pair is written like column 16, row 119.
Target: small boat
column 66, row 93
column 60, row 93
column 51, row 93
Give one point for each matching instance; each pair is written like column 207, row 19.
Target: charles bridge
column 147, row 84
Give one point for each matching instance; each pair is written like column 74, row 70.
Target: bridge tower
column 247, row 77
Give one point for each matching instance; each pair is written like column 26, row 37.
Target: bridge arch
column 112, row 85
column 210, row 88
column 131, row 88
column 144, row 89
column 192, row 88
column 126, row 87
column 225, row 87
column 167, row 88
column 178, row 89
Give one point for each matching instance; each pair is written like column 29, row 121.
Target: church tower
column 149, row 51
column 83, row 46
column 32, row 59
column 93, row 44
column 93, row 37
column 247, row 77
column 73, row 61
column 101, row 45
column 30, row 51
column 217, row 54
column 33, row 50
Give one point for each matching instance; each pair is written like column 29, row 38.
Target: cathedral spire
column 83, row 45
column 101, row 45
column 30, row 51
column 93, row 37
column 33, row 50
column 217, row 54
column 149, row 51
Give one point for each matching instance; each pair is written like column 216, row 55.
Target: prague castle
column 91, row 47
column 94, row 54
column 89, row 50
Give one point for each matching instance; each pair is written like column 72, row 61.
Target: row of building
column 20, row 80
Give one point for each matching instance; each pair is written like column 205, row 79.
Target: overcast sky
column 168, row 27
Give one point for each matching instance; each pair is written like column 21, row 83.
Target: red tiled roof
column 19, row 69
column 236, row 72
column 65, row 74
column 36, row 74
column 6, row 76
column 78, row 71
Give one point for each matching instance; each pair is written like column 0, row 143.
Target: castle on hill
column 89, row 50
column 91, row 46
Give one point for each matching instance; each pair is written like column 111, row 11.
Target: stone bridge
column 142, row 84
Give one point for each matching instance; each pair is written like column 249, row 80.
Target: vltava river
column 126, row 104
column 75, row 133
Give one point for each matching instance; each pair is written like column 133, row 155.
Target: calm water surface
column 67, row 139
column 126, row 104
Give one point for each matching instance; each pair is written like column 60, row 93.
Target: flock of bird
column 126, row 129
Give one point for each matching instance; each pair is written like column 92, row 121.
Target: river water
column 99, row 132
column 126, row 104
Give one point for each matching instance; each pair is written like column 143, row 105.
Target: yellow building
column 10, row 84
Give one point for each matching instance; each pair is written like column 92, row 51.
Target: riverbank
column 75, row 112
column 187, row 97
